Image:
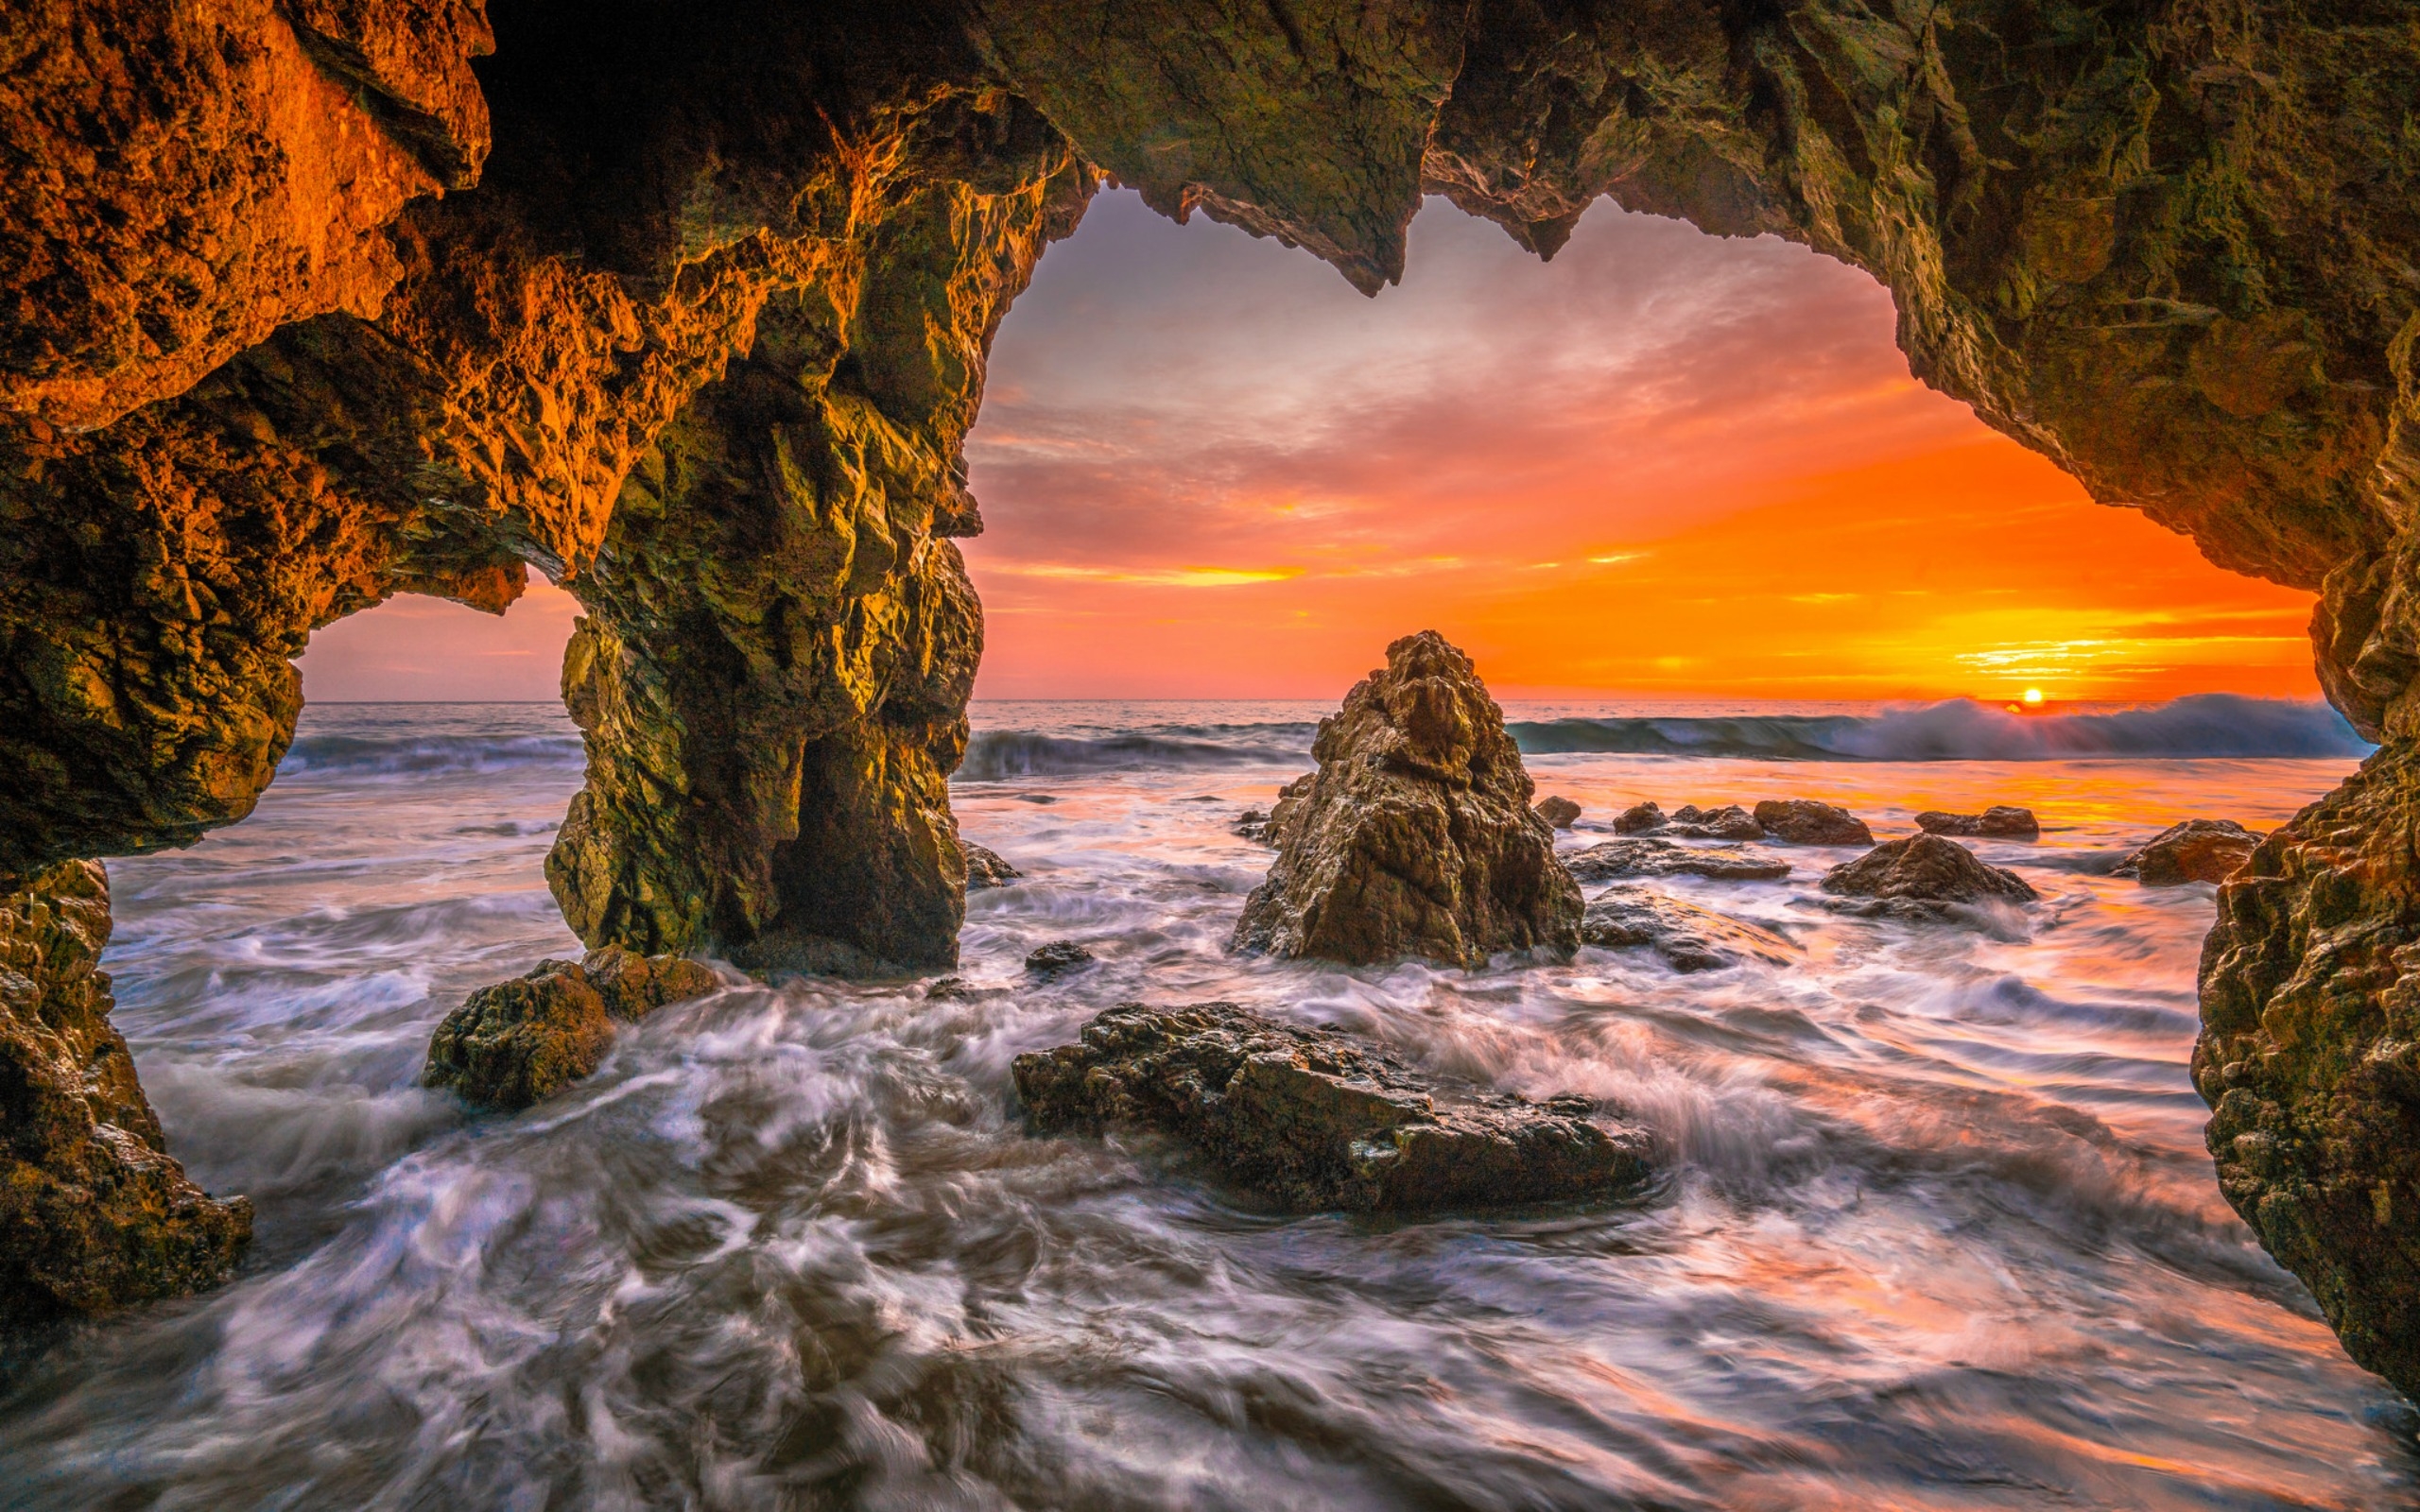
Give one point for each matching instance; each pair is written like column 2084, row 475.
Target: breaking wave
column 995, row 755
column 372, row 755
column 2204, row 724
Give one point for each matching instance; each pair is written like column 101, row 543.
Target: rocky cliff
column 313, row 301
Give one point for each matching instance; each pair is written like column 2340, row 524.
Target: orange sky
column 1665, row 464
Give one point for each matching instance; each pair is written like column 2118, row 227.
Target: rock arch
column 312, row 301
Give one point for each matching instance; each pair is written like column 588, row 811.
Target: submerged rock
column 1058, row 958
column 1641, row 856
column 1804, row 821
column 1687, row 936
column 1415, row 837
column 986, row 867
column 2002, row 821
column 2195, row 851
column 1558, row 811
column 1923, row 875
column 1319, row 1120
column 95, row 1213
column 2309, row 1056
column 518, row 1043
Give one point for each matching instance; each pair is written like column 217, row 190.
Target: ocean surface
column 1939, row 1230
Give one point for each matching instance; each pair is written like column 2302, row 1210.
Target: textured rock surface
column 520, row 1042
column 1926, row 869
column 1559, row 812
column 1642, row 856
column 2195, row 851
column 1059, row 957
column 1687, row 936
column 1415, row 837
column 1640, row 818
column 2309, row 1056
column 2002, row 821
column 94, row 1213
column 986, row 867
column 1804, row 821
column 1319, row 1120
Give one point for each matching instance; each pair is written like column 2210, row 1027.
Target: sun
column 2033, row 697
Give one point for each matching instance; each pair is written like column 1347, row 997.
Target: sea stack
column 1415, row 837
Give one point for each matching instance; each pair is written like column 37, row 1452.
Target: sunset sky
column 1663, row 465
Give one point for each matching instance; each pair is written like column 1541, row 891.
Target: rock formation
column 1641, row 856
column 94, row 1213
column 1415, row 837
column 2002, row 821
column 2195, row 851
column 1059, row 957
column 1639, row 819
column 1923, row 876
column 1689, row 822
column 1804, row 821
column 1559, row 812
column 1318, row 1120
column 1689, row 938
column 687, row 307
column 986, row 867
column 517, row 1042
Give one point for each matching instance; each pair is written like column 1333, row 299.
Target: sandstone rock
column 1319, row 1120
column 1689, row 938
column 94, row 1213
column 1639, row 819
column 1927, row 873
column 2309, row 1056
column 1058, row 958
column 1729, row 822
column 1804, row 821
column 1558, row 811
column 520, row 1042
column 1415, row 837
column 1649, row 857
column 985, row 868
column 2195, row 851
column 2002, row 821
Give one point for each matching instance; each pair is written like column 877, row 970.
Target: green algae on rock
column 1415, row 837
column 95, row 1213
column 1319, row 1120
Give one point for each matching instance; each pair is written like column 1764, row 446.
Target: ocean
column 1939, row 1230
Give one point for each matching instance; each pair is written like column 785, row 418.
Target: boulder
column 1639, row 819
column 1803, row 821
column 1729, row 822
column 1689, row 938
column 2195, row 851
column 1415, row 837
column 95, row 1213
column 517, row 1042
column 1923, row 876
column 1319, row 1120
column 2002, row 821
column 1640, row 856
column 1558, row 811
column 1058, row 958
column 986, row 867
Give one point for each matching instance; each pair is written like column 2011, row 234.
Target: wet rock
column 1687, row 936
column 2309, row 1056
column 95, row 1213
column 1923, row 876
column 1729, row 822
column 2002, row 821
column 1253, row 824
column 1415, row 837
column 1060, row 958
column 1639, row 819
column 2195, row 851
column 1558, row 811
column 1319, row 1120
column 985, row 868
column 518, row 1043
column 1645, row 857
column 1804, row 821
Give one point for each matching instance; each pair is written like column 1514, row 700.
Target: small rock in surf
column 513, row 1043
column 2002, row 821
column 1922, row 877
column 985, row 868
column 1558, row 811
column 1640, row 856
column 1689, row 938
column 1804, row 821
column 1320, row 1121
column 2195, row 851
column 1058, row 958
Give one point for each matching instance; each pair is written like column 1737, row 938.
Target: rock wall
column 312, row 302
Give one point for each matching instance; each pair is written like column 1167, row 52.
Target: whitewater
column 1938, row 1230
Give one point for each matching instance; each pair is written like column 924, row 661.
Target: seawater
column 1939, row 1230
